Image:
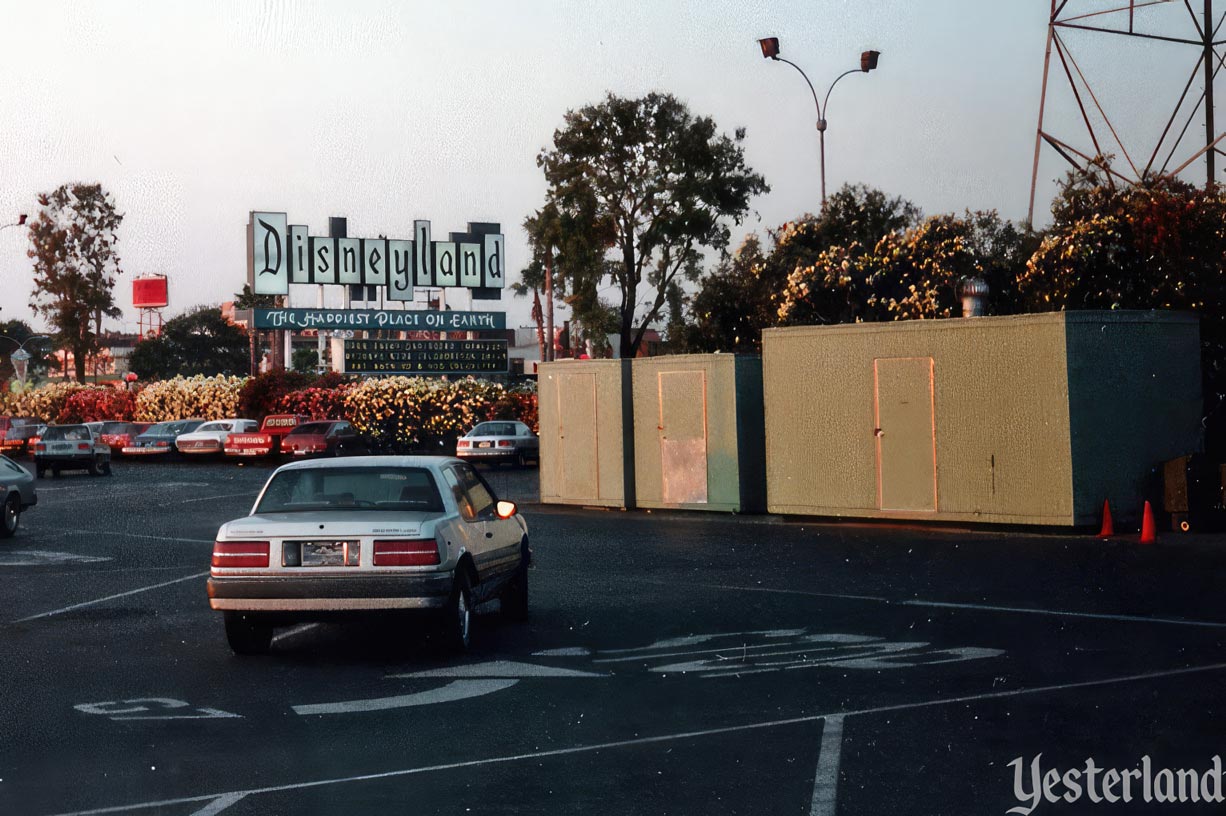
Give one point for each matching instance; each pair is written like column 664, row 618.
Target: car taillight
column 82, row 446
column 505, row 443
column 240, row 553
column 163, row 443
column 40, row 446
column 416, row 553
column 463, row 443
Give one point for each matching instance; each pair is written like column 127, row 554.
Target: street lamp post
column 21, row 358
column 868, row 61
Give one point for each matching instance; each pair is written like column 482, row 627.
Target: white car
column 369, row 534
column 210, row 438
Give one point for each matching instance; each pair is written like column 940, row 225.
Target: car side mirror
column 506, row 509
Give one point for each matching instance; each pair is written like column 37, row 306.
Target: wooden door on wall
column 683, row 436
column 906, row 433
column 578, row 475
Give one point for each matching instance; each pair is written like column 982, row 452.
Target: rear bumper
column 133, row 451
column 261, row 593
column 248, row 451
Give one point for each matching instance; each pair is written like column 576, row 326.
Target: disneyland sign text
column 280, row 253
column 420, row 320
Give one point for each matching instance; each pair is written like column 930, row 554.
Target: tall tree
column 909, row 275
column 741, row 295
column 653, row 186
column 199, row 342
column 1159, row 244
column 73, row 242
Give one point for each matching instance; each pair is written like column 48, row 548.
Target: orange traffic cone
column 1148, row 532
column 1108, row 529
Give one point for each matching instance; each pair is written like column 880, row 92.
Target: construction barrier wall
column 1032, row 419
column 698, row 433
column 587, row 437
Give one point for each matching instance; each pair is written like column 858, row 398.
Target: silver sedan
column 369, row 534
column 17, row 491
column 500, row 441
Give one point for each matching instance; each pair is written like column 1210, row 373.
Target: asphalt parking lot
column 673, row 663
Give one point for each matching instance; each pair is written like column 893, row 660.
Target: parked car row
column 294, row 435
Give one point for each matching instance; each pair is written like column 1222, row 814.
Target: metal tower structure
column 1182, row 23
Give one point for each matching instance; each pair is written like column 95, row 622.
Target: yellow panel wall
column 999, row 412
column 586, row 439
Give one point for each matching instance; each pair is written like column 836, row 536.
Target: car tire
column 521, row 461
column 247, row 634
column 94, row 469
column 10, row 516
column 106, row 467
column 456, row 624
column 514, row 597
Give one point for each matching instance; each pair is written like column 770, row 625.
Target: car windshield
column 494, row 429
column 311, row 428
column 115, row 427
column 346, row 488
column 72, row 433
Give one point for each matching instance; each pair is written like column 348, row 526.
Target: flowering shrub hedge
column 261, row 394
column 393, row 413
column 414, row 413
column 45, row 402
column 96, row 404
column 317, row 403
column 196, row 397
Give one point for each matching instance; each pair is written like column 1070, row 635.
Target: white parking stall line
column 1064, row 614
column 457, row 690
column 97, row 601
column 219, row 804
column 295, row 631
column 637, row 741
column 141, row 535
column 826, row 780
column 249, row 494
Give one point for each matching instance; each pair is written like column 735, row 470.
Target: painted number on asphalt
column 151, row 708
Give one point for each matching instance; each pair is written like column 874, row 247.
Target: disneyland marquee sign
column 280, row 253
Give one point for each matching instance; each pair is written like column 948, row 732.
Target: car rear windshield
column 115, row 427
column 494, row 429
column 72, row 433
column 311, row 428
column 349, row 488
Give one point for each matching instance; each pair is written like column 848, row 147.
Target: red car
column 119, row 435
column 15, row 433
column 266, row 441
column 328, row 437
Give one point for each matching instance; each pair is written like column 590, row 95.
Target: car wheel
column 457, row 620
column 246, row 634
column 11, row 516
column 106, row 467
column 521, row 461
column 514, row 597
column 93, row 469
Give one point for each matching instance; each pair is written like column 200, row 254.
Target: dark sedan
column 17, row 490
column 329, row 437
column 159, row 439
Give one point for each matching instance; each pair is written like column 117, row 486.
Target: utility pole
column 549, row 304
column 1210, row 61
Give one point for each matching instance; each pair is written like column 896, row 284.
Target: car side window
column 479, row 494
column 461, row 498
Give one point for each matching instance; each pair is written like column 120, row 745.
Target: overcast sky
column 193, row 114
